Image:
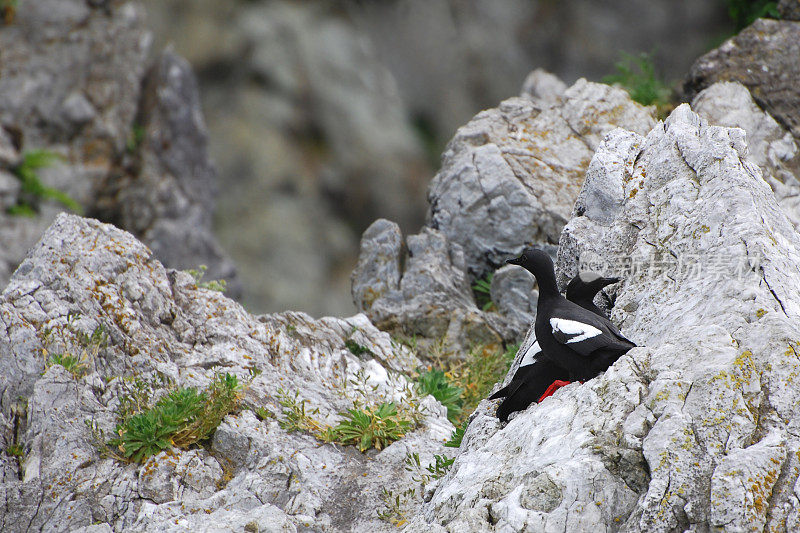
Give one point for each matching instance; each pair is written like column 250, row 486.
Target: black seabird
column 571, row 337
column 536, row 378
column 584, row 287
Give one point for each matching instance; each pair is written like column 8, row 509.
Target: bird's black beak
column 514, row 261
column 610, row 281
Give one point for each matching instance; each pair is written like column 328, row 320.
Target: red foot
column 554, row 386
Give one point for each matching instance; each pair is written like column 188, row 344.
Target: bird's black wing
column 585, row 332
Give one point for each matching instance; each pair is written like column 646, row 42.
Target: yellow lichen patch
column 761, row 312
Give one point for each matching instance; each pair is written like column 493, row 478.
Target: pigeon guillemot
column 577, row 340
column 584, row 287
column 536, row 378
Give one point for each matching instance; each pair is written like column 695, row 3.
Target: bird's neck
column 547, row 284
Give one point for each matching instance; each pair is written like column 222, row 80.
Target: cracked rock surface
column 695, row 429
column 253, row 473
column 509, row 178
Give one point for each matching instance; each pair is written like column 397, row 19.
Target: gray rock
column 695, row 429
column 525, row 158
column 170, row 202
column 378, row 268
column 542, row 85
column 772, row 147
column 513, row 293
column 763, row 57
column 255, row 475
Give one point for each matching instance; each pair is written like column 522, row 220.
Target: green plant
column 263, row 413
column 483, row 367
column 295, row 416
column 180, row 418
column 371, row 427
column 637, row 75
column 745, row 12
column 15, row 450
column 33, row 189
column 355, row 348
column 435, row 383
column 457, row 436
column 68, row 346
column 433, row 471
column 481, row 289
column 219, row 285
column 74, row 365
column 135, row 138
column 395, row 506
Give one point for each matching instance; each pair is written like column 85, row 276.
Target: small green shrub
column 745, row 12
column 219, row 285
column 637, row 75
column 481, row 289
column 457, row 436
column 33, row 189
column 74, row 365
column 181, row 418
column 435, row 383
column 355, row 348
column 370, row 427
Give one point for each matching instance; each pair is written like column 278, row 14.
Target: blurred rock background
column 324, row 116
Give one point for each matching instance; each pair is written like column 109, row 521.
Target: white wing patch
column 530, row 355
column 571, row 328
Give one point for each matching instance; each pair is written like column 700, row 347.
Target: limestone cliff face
column 695, row 428
column 160, row 325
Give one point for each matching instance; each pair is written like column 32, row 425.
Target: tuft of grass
column 395, row 506
column 745, row 12
column 33, row 190
column 219, row 285
column 637, row 75
column 263, row 413
column 78, row 367
column 181, row 418
column 483, row 367
column 295, row 417
column 69, row 346
column 371, row 427
column 481, row 290
column 435, row 383
column 457, row 436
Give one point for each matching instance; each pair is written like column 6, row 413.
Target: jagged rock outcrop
column 71, row 82
column 772, row 147
column 253, row 474
column 762, row 57
column 697, row 427
column 508, row 178
column 511, row 175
